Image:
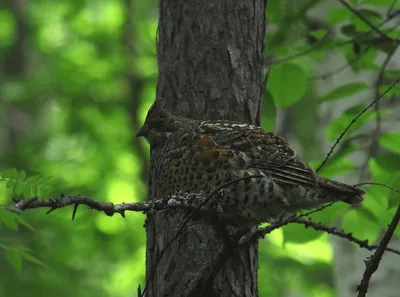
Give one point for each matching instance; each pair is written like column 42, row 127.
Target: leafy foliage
column 20, row 184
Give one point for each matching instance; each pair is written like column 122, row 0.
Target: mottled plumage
column 192, row 156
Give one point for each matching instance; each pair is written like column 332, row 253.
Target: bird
column 197, row 156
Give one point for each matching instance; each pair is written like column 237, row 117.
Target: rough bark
column 210, row 56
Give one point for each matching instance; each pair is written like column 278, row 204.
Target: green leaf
column 8, row 219
column 360, row 226
column 345, row 148
column 391, row 141
column 20, row 220
column 384, row 164
column 8, row 27
column 34, row 190
column 21, row 175
column 14, row 257
column 27, row 191
column 287, row 84
column 34, row 260
column 344, row 91
column 33, row 179
column 371, row 15
column 330, row 214
column 337, row 126
column 349, row 30
column 4, row 246
column 376, row 201
column 382, row 3
column 10, row 174
column 395, row 90
column 19, row 188
column 274, row 11
column 394, row 197
column 392, row 73
column 337, row 16
column 299, row 233
column 337, row 167
column 365, row 60
column 10, row 184
column 360, row 56
column 318, row 34
column 30, row 188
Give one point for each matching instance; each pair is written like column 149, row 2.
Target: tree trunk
column 210, row 56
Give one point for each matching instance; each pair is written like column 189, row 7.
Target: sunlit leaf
column 10, row 174
column 299, row 234
column 376, row 201
column 21, row 175
column 19, row 188
column 331, row 214
column 391, row 141
column 10, row 184
column 360, row 226
column 7, row 31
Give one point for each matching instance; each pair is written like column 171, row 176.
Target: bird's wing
column 262, row 150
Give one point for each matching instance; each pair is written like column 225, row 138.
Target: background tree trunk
column 210, row 56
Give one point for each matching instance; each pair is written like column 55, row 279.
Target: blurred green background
column 76, row 80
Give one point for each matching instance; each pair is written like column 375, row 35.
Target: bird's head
column 159, row 125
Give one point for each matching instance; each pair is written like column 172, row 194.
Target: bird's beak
column 144, row 131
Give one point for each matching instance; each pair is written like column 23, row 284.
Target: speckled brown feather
column 193, row 156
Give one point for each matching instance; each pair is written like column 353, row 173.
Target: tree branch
column 109, row 208
column 364, row 19
column 372, row 263
column 349, row 236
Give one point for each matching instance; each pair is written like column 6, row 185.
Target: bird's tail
column 346, row 193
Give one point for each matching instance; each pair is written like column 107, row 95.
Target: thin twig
column 352, row 122
column 364, row 19
column 107, row 207
column 372, row 263
column 261, row 232
column 340, row 69
column 389, row 12
column 341, row 234
column 377, row 184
